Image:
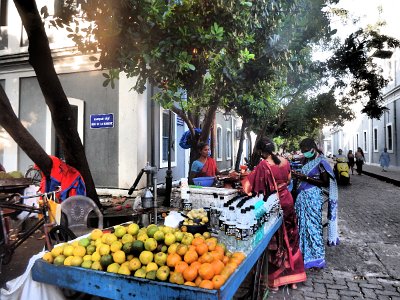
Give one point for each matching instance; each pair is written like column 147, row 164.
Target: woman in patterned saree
column 285, row 262
column 315, row 174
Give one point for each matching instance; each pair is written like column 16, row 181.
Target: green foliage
column 354, row 60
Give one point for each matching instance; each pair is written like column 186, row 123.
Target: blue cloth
column 384, row 159
column 186, row 139
column 197, row 166
column 308, row 208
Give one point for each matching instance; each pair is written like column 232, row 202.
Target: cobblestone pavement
column 366, row 265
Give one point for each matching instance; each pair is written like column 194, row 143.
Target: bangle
column 306, row 178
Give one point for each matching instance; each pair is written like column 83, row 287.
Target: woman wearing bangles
column 315, row 174
column 284, row 261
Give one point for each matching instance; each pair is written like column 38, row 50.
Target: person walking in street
column 384, row 160
column 360, row 159
column 350, row 161
column 285, row 261
column 315, row 174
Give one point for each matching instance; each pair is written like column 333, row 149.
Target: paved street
column 366, row 265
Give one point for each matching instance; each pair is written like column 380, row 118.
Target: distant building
column 372, row 135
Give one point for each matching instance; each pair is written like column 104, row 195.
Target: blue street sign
column 102, row 121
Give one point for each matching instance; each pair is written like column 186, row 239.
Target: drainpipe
column 395, row 151
column 168, row 176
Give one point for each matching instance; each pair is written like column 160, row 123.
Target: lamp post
column 227, row 115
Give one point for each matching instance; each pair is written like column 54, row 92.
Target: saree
column 284, row 260
column 209, row 168
column 308, row 208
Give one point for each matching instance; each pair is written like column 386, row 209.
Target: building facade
column 373, row 135
column 120, row 129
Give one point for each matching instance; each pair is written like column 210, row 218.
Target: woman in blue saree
column 315, row 174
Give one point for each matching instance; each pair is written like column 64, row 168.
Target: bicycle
column 11, row 206
column 34, row 174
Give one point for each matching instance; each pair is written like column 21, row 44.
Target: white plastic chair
column 77, row 209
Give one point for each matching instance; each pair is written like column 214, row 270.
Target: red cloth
column 291, row 269
column 67, row 177
column 209, row 169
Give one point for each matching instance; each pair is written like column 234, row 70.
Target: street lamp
column 227, row 115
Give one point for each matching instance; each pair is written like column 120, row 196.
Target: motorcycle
column 341, row 170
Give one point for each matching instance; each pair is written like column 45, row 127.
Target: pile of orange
column 204, row 263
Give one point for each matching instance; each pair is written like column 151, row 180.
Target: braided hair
column 265, row 145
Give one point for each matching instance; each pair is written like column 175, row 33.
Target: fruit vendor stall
column 157, row 262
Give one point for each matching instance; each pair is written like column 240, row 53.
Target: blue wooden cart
column 117, row 286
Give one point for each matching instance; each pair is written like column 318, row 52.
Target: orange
column 181, row 249
column 218, row 281
column 225, row 259
column 206, row 258
column 218, row 266
column 198, row 280
column 206, row 271
column 239, row 255
column 190, row 273
column 189, row 283
column 190, row 256
column 235, row 260
column 228, row 270
column 197, row 241
column 217, row 255
column 191, row 248
column 173, row 259
column 181, row 266
column 206, row 284
column 211, row 243
column 201, row 249
column 220, row 249
column 196, row 264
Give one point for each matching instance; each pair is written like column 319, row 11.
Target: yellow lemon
column 79, row 251
column 68, row 261
column 75, row 243
column 115, row 246
column 126, row 263
column 96, row 266
column 133, row 229
column 119, row 231
column 104, row 249
column 96, row 256
column 56, row 251
column 124, row 270
column 96, row 234
column 135, row 264
column 151, row 267
column 87, row 257
column 146, row 257
column 68, row 250
column 76, row 261
column 113, row 268
column 87, row 264
column 127, row 238
column 110, row 238
column 119, row 256
column 48, row 257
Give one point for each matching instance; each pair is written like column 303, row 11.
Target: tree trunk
column 240, row 148
column 10, row 122
column 41, row 60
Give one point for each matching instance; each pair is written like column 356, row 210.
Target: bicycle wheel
column 35, row 175
column 60, row 234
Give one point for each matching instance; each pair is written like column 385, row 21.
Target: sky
column 367, row 12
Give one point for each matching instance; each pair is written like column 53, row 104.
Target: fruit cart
column 117, row 286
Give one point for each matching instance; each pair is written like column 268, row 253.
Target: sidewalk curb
column 383, row 178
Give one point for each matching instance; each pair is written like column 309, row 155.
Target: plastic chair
column 77, row 210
